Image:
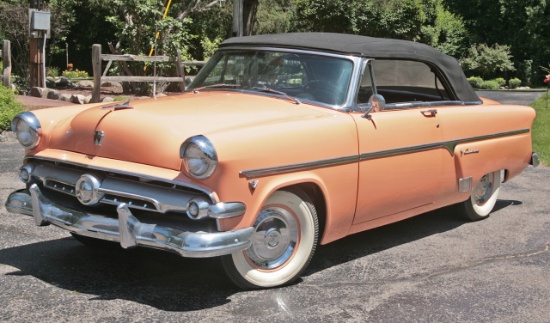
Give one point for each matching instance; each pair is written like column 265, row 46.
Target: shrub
column 490, row 85
column 9, row 107
column 120, row 98
column 501, row 82
column 76, row 74
column 514, row 83
column 52, row 72
column 488, row 60
column 475, row 81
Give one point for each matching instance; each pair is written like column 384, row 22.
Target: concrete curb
column 7, row 136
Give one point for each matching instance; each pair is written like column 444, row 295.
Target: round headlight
column 27, row 129
column 199, row 157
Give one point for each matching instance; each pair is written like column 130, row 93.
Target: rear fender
column 476, row 159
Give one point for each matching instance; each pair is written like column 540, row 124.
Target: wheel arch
column 316, row 196
column 334, row 200
column 335, row 206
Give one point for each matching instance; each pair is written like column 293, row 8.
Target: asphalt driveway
column 511, row 97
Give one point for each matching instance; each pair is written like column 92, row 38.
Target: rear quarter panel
column 491, row 137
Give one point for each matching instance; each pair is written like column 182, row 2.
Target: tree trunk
column 250, row 8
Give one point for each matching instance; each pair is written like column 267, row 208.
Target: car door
column 401, row 158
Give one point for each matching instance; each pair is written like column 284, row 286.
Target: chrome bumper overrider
column 127, row 229
column 535, row 161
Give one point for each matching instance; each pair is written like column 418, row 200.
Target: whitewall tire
column 483, row 199
column 284, row 241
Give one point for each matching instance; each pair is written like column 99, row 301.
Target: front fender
column 338, row 186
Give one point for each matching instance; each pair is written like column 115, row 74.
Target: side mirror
column 376, row 103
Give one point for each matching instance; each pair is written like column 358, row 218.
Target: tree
column 446, row 32
column 424, row 21
column 14, row 25
column 250, row 9
column 130, row 26
column 488, row 60
column 521, row 24
column 274, row 16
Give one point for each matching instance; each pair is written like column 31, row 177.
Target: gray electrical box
column 40, row 20
column 39, row 23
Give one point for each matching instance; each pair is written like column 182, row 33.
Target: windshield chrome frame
column 349, row 102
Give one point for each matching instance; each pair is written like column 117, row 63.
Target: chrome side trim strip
column 448, row 145
column 451, row 145
column 409, row 105
column 400, row 151
column 258, row 172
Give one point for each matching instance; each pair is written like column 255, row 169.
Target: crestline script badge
column 469, row 151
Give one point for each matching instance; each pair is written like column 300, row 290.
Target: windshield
column 305, row 77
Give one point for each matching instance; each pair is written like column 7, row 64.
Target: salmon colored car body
column 280, row 143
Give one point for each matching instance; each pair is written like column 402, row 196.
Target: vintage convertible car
column 281, row 142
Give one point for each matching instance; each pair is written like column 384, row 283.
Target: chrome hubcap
column 483, row 190
column 275, row 239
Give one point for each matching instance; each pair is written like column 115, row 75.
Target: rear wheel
column 483, row 199
column 284, row 241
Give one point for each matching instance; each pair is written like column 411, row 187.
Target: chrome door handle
column 429, row 113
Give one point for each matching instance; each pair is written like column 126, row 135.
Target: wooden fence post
column 180, row 70
column 96, row 64
column 98, row 57
column 6, row 60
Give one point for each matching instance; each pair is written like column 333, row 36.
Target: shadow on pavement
column 171, row 283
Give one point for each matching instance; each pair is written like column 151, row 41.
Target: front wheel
column 483, row 199
column 284, row 241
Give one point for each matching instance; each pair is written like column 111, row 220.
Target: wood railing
column 6, row 62
column 99, row 77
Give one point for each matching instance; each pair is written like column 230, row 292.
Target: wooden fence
column 6, row 61
column 99, row 77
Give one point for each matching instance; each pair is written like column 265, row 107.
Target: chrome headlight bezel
column 27, row 128
column 199, row 157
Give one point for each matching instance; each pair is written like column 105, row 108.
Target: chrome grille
column 60, row 187
column 137, row 192
column 132, row 203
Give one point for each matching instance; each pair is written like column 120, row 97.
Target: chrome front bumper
column 127, row 229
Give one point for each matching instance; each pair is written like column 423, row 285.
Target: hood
column 151, row 131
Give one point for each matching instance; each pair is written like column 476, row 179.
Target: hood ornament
column 119, row 106
column 98, row 137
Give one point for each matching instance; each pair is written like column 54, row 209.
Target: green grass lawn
column 541, row 128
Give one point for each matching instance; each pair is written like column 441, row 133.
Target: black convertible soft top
column 377, row 48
